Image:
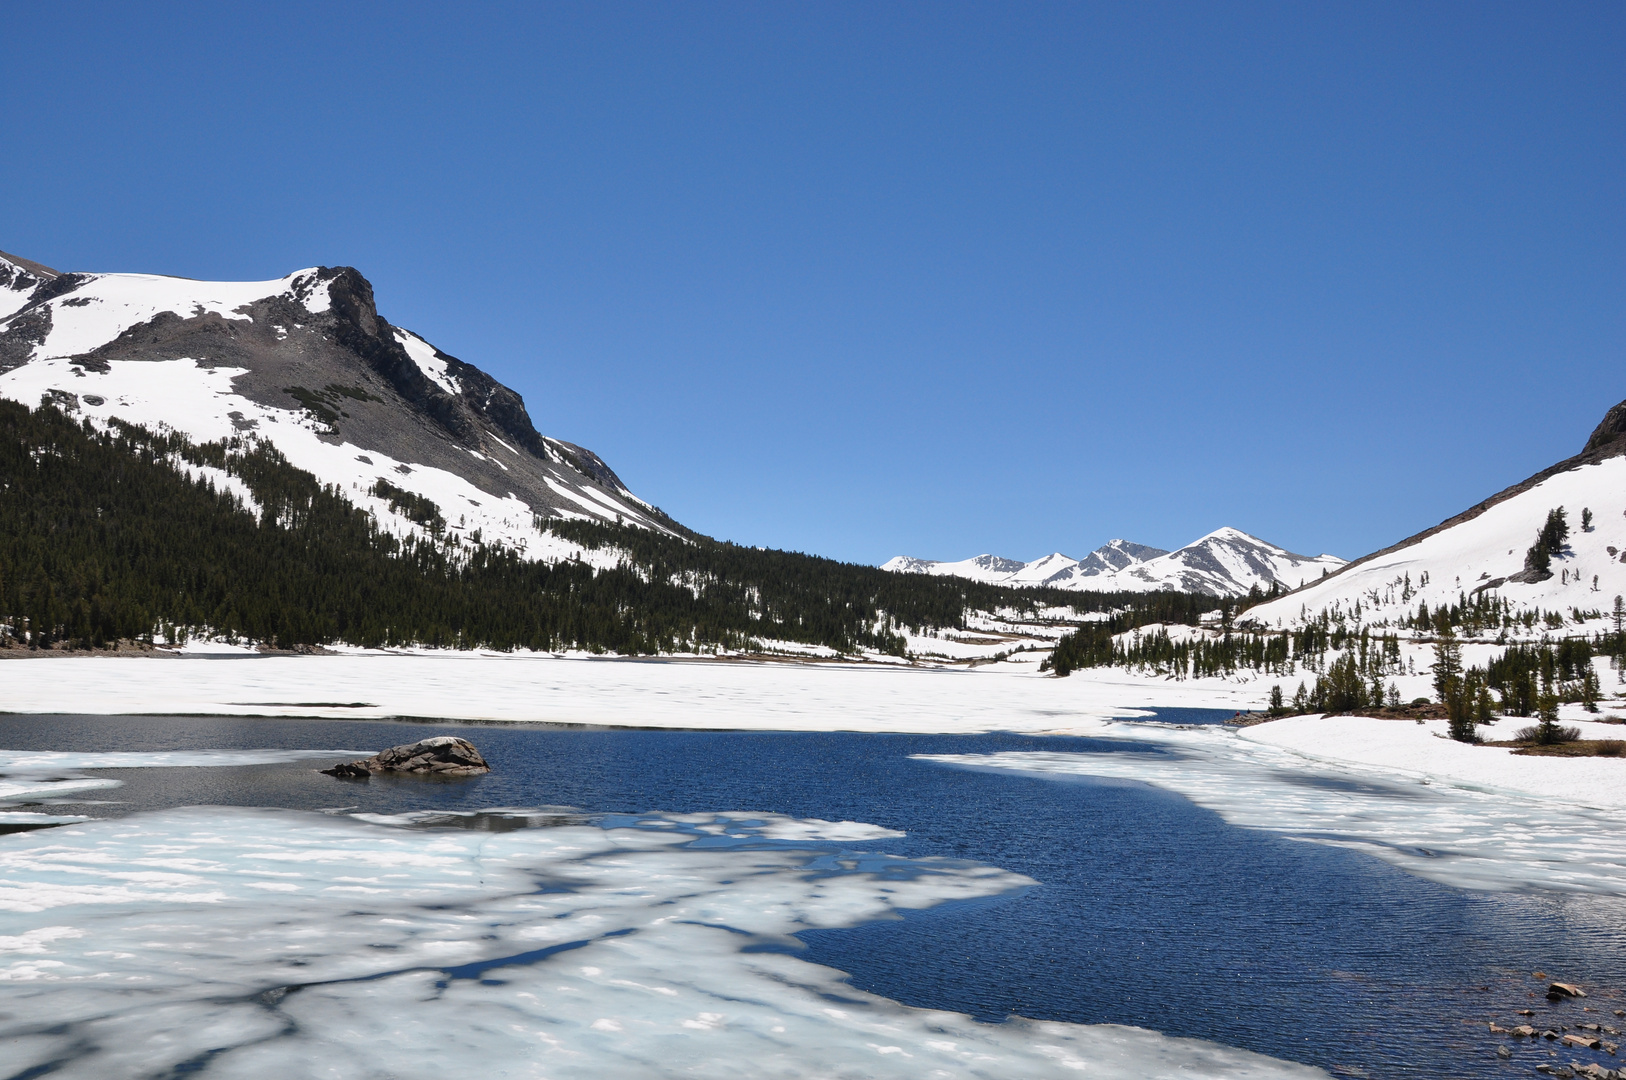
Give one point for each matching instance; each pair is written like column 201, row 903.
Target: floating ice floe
column 1472, row 839
column 257, row 943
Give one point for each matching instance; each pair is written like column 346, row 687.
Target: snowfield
column 671, row 693
column 109, row 304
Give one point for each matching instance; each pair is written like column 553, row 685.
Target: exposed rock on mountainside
column 1226, row 562
column 1484, row 549
column 307, row 364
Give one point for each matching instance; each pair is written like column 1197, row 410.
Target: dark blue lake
column 1151, row 911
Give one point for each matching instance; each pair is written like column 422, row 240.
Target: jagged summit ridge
column 1226, row 562
column 307, row 363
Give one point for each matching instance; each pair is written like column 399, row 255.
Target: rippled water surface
column 1150, row 911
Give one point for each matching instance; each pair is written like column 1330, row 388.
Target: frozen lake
column 1114, row 902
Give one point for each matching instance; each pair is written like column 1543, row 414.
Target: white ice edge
column 41, row 760
column 1457, row 834
column 268, row 942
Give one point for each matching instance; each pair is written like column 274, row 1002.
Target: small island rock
column 1560, row 990
column 443, row 755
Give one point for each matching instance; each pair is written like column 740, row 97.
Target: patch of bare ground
column 1578, row 748
column 1401, row 712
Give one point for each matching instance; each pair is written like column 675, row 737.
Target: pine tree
column 1586, row 519
column 1448, row 682
column 1590, row 690
column 1547, row 732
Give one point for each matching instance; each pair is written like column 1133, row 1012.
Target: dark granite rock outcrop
column 444, row 755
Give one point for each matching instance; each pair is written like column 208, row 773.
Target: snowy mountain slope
column 306, row 363
column 18, row 280
column 1226, row 562
column 1484, row 547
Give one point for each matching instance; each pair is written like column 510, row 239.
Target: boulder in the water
column 443, row 755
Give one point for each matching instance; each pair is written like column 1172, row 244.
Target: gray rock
column 1564, row 990
column 444, row 755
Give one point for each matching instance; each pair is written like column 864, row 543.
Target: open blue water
column 1151, row 911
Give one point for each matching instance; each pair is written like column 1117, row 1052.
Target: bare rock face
column 444, row 755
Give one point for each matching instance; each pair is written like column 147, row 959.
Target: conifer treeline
column 101, row 539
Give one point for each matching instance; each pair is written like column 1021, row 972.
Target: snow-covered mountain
column 307, row 364
column 1483, row 548
column 987, row 568
column 1226, row 562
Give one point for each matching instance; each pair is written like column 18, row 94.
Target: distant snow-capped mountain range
column 1226, row 562
column 307, row 364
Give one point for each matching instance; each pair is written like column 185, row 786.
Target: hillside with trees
column 104, row 539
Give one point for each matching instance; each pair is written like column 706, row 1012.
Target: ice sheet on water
column 258, row 943
column 33, row 787
column 1456, row 835
column 30, row 776
column 34, row 761
column 27, row 818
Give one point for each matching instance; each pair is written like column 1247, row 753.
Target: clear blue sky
column 867, row 279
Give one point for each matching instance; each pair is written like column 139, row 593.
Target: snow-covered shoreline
column 1424, row 751
column 608, row 692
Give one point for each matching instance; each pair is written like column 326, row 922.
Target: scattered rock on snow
column 444, row 755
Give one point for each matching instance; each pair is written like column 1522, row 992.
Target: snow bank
column 276, row 944
column 1425, row 752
